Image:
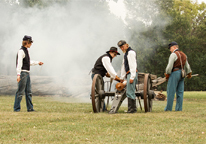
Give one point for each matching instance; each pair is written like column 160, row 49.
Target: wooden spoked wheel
column 96, row 93
column 147, row 100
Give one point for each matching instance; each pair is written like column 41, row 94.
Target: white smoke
column 67, row 38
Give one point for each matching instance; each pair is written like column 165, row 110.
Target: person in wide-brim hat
column 103, row 65
column 113, row 49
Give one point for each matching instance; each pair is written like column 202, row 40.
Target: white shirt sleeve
column 132, row 64
column 173, row 57
column 33, row 63
column 187, row 68
column 108, row 66
column 21, row 55
column 123, row 71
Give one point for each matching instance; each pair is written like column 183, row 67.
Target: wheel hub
column 151, row 94
column 102, row 94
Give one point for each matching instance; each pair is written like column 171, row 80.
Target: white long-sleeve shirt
column 132, row 65
column 108, row 66
column 21, row 56
column 173, row 57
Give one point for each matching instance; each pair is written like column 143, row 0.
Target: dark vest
column 126, row 63
column 99, row 67
column 26, row 60
column 177, row 63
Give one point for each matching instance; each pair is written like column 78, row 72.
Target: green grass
column 63, row 122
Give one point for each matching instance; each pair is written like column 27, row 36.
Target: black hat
column 27, row 38
column 172, row 44
column 121, row 43
column 113, row 49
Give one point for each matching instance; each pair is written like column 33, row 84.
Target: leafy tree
column 186, row 25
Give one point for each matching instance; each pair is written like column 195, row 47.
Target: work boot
column 130, row 106
column 134, row 105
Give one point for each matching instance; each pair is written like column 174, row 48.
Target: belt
column 175, row 69
column 129, row 72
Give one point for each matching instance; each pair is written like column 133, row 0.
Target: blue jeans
column 175, row 85
column 23, row 85
column 131, row 88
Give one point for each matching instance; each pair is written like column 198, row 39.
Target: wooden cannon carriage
column 144, row 91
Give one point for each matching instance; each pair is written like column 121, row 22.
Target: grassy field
column 63, row 122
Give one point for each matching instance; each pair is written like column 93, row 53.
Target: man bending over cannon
column 129, row 70
column 23, row 77
column 177, row 61
column 103, row 65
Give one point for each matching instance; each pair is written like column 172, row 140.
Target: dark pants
column 23, row 86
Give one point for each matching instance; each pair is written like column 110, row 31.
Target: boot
column 134, row 106
column 130, row 106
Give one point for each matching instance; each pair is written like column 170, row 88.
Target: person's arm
column 187, row 68
column 33, row 63
column 108, row 66
column 123, row 71
column 132, row 64
column 21, row 55
column 172, row 59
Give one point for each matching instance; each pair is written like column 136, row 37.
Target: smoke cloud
column 67, row 38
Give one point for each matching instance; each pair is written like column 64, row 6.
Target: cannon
column 144, row 91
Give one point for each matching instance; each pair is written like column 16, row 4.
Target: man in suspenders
column 23, row 64
column 173, row 74
column 129, row 70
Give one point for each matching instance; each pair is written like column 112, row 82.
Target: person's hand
column 131, row 81
column 41, row 63
column 117, row 79
column 189, row 75
column 107, row 75
column 121, row 80
column 18, row 78
column 167, row 76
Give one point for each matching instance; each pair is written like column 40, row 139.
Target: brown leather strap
column 129, row 72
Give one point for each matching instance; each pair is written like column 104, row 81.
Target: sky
column 200, row 1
